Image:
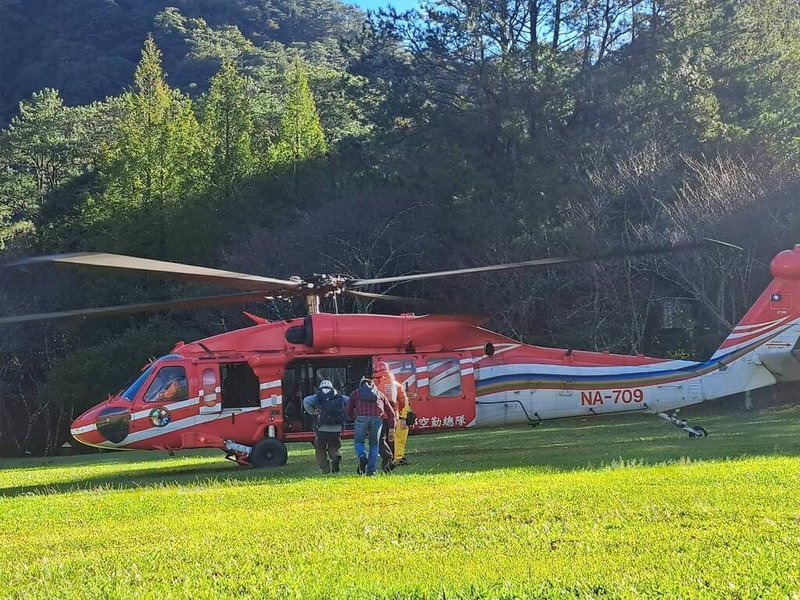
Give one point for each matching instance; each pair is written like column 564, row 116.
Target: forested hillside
column 88, row 49
column 290, row 137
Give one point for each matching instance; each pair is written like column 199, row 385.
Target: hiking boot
column 335, row 464
column 402, row 462
column 362, row 465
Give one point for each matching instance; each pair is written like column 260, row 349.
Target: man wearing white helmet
column 329, row 407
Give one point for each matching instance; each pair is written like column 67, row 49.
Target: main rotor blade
column 539, row 262
column 428, row 304
column 103, row 311
column 168, row 270
column 712, row 241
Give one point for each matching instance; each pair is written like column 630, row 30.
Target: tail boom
column 762, row 349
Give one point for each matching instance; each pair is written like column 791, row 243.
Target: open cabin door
column 301, row 378
column 440, row 388
column 240, row 388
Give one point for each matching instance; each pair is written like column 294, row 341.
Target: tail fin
column 768, row 333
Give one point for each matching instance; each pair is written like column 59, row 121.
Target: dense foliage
column 304, row 136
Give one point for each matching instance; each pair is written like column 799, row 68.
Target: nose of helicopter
column 104, row 425
column 83, row 426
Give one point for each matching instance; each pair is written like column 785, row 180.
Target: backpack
column 368, row 393
column 331, row 409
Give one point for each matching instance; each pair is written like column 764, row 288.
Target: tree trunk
column 533, row 11
column 556, row 23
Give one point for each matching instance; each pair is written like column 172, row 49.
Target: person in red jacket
column 369, row 407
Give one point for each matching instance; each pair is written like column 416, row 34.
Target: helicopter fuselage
column 232, row 390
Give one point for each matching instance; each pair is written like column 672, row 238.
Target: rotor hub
column 322, row 284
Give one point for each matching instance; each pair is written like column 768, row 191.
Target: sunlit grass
column 599, row 508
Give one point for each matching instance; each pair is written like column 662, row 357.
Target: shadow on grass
column 575, row 444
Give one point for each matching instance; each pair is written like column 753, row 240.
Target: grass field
column 614, row 507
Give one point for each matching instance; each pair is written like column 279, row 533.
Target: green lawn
column 598, row 508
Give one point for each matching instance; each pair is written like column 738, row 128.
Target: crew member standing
column 369, row 407
column 396, row 394
column 329, row 407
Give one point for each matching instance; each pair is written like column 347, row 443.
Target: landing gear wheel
column 692, row 430
column 269, row 452
column 698, row 432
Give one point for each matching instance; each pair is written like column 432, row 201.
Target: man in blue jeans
column 369, row 407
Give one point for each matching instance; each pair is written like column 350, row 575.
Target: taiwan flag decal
column 780, row 300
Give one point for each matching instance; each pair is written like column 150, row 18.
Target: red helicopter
column 242, row 391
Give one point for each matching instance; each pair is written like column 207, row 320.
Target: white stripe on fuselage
column 84, row 429
column 141, row 413
column 152, row 432
column 544, row 369
column 273, row 400
column 766, row 327
column 766, row 336
column 173, row 406
column 739, row 328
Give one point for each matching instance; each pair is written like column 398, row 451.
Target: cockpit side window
column 170, row 385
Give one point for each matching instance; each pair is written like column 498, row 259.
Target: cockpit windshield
column 129, row 393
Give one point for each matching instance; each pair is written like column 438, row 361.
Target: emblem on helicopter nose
column 160, row 416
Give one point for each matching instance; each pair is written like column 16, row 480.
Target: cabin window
column 209, row 379
column 404, row 372
column 445, row 377
column 170, row 385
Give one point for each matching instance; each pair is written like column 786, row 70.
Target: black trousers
column 384, row 445
column 326, row 445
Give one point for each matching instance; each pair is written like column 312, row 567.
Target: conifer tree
column 157, row 158
column 301, row 138
column 228, row 128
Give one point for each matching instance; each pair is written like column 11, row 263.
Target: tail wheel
column 269, row 452
column 698, row 432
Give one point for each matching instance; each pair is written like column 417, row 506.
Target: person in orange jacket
column 396, row 394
